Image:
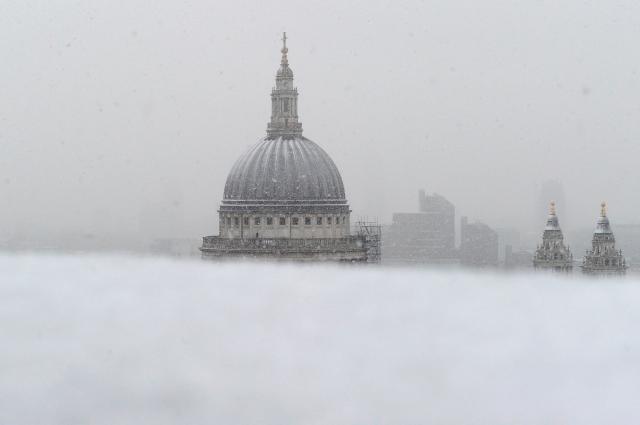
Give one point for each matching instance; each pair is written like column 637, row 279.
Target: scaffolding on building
column 371, row 234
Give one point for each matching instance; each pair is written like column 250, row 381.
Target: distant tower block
column 552, row 253
column 603, row 258
column 424, row 237
column 478, row 244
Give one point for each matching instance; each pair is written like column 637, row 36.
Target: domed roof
column 285, row 169
column 603, row 225
column 552, row 220
column 284, row 72
column 552, row 223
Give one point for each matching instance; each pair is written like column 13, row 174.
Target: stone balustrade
column 351, row 248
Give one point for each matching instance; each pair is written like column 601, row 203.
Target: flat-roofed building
column 427, row 236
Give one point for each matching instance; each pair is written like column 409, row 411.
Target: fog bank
column 107, row 340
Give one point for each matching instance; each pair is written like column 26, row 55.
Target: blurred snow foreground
column 94, row 340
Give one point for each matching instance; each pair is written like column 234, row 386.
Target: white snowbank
column 90, row 340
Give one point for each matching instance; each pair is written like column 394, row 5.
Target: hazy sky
column 124, row 118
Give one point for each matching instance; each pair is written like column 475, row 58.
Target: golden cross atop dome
column 284, row 61
column 284, row 42
column 603, row 209
column 552, row 208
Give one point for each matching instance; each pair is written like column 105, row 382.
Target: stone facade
column 552, row 254
column 274, row 224
column 603, row 258
column 347, row 249
column 478, row 244
column 427, row 236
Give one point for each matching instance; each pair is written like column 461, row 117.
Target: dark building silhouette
column 427, row 236
column 478, row 244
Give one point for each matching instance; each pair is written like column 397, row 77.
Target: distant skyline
column 124, row 120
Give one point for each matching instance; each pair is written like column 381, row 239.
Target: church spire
column 284, row 61
column 284, row 101
column 553, row 254
column 604, row 258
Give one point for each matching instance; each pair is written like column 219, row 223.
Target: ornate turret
column 603, row 258
column 284, row 101
column 552, row 253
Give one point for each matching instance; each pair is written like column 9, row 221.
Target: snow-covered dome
column 285, row 169
column 284, row 197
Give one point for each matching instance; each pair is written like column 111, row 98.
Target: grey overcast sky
column 123, row 118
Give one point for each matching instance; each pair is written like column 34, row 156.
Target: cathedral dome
column 284, row 197
column 285, row 169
